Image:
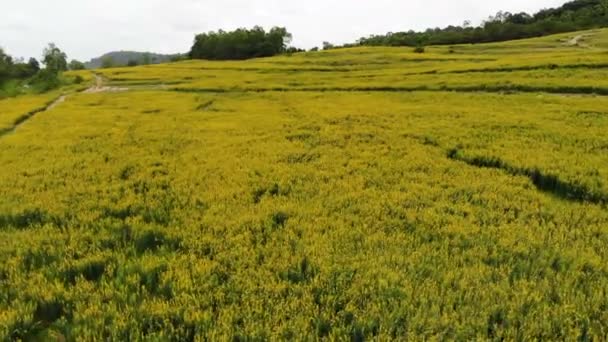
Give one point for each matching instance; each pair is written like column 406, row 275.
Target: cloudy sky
column 87, row 28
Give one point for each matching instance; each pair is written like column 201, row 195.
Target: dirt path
column 100, row 88
column 56, row 102
column 26, row 117
column 576, row 41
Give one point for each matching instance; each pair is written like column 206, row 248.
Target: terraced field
column 364, row 194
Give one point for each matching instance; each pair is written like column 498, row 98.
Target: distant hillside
column 123, row 58
column 572, row 16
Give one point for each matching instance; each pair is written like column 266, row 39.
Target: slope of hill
column 572, row 16
column 362, row 194
column 122, row 58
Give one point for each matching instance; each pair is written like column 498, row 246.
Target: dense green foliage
column 240, row 44
column 54, row 59
column 354, row 194
column 18, row 77
column 107, row 62
column 573, row 16
column 76, row 65
column 11, row 69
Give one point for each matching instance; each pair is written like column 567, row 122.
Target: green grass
column 340, row 207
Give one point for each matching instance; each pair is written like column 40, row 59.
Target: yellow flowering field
column 14, row 111
column 356, row 194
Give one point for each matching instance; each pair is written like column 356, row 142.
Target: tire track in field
column 577, row 40
column 544, row 182
column 549, row 66
column 484, row 88
column 27, row 116
column 99, row 87
column 96, row 88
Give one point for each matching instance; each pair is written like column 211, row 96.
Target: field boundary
column 570, row 90
column 48, row 106
column 544, row 182
column 550, row 66
column 25, row 117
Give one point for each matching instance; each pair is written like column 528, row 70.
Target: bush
column 45, row 80
column 76, row 65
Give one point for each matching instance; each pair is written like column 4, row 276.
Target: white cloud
column 88, row 28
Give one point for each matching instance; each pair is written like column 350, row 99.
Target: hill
column 504, row 26
column 368, row 193
column 122, row 58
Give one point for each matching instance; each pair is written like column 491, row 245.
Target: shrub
column 419, row 49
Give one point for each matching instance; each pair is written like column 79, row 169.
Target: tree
column 76, row 65
column 22, row 70
column 54, row 59
column 293, row 49
column 146, row 58
column 572, row 16
column 6, row 63
column 132, row 63
column 280, row 38
column 327, row 46
column 11, row 68
column 240, row 44
column 178, row 57
column 34, row 65
column 107, row 62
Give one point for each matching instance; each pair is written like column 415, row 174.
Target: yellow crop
column 14, row 111
column 335, row 195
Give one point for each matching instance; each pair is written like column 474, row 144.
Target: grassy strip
column 544, row 182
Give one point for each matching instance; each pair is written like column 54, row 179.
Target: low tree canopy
column 107, row 62
column 18, row 76
column 34, row 64
column 11, row 68
column 76, row 65
column 572, row 16
column 240, row 44
column 54, row 59
column 6, row 63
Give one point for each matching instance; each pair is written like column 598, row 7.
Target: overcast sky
column 87, row 28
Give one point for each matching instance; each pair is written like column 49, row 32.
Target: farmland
column 361, row 193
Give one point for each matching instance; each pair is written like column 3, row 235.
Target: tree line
column 11, row 68
column 17, row 74
column 572, row 16
column 257, row 42
column 240, row 44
